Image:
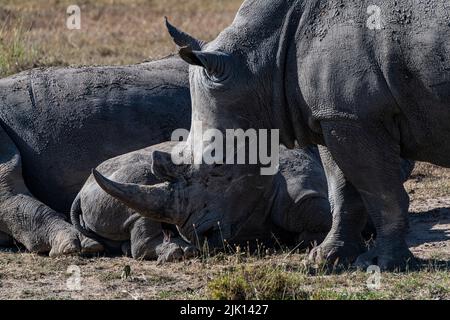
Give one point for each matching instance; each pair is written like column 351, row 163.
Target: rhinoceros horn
column 157, row 202
column 183, row 39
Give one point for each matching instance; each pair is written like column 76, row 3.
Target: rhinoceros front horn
column 156, row 202
column 183, row 39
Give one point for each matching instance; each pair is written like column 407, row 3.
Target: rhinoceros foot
column 169, row 252
column 90, row 246
column 175, row 251
column 333, row 252
column 65, row 243
column 69, row 241
column 388, row 255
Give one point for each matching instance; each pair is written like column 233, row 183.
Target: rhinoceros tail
column 75, row 218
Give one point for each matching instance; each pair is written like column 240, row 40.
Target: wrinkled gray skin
column 314, row 70
column 58, row 124
column 294, row 206
column 99, row 216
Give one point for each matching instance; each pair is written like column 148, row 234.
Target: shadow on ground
column 429, row 238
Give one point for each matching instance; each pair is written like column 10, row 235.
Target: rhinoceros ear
column 213, row 61
column 163, row 167
column 183, row 39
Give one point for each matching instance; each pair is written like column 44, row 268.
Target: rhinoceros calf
column 57, row 124
column 99, row 216
column 295, row 208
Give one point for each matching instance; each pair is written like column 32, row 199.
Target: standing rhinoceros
column 368, row 81
column 57, row 124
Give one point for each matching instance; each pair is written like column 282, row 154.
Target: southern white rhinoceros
column 293, row 208
column 57, row 124
column 368, row 81
column 99, row 216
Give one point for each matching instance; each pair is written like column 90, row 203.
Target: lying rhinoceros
column 99, row 216
column 57, row 124
column 295, row 206
column 292, row 206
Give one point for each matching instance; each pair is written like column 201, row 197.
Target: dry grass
column 289, row 279
column 29, row 276
column 33, row 32
column 427, row 182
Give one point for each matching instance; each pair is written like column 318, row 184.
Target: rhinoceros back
column 66, row 121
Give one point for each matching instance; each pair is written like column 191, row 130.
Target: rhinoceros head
column 239, row 80
column 207, row 202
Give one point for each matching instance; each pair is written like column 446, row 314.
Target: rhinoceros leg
column 314, row 222
column 39, row 228
column 370, row 158
column 150, row 241
column 344, row 241
column 145, row 236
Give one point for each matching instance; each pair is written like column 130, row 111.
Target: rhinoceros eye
column 216, row 78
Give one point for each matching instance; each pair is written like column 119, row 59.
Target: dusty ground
column 29, row 276
column 33, row 33
column 429, row 190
